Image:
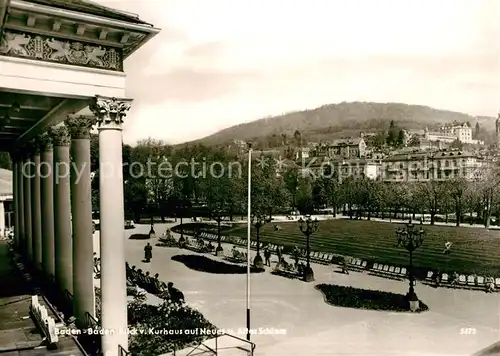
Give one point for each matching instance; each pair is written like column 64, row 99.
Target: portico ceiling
column 22, row 116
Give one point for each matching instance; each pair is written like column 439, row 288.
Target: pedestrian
column 279, row 252
column 447, row 247
column 267, row 256
column 148, row 252
column 296, row 256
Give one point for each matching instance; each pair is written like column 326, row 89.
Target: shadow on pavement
column 139, row 237
column 205, row 264
column 11, row 282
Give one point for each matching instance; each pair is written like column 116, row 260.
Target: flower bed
column 350, row 297
column 208, row 265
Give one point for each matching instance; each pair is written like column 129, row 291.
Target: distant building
column 341, row 169
column 437, row 165
column 347, row 148
column 450, row 133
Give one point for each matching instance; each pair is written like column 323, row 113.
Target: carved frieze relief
column 50, row 49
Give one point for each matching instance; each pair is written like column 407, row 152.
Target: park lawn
column 474, row 250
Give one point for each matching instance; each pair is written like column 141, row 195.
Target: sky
column 219, row 63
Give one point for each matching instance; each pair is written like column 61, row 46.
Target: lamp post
column 258, row 221
column 411, row 238
column 249, row 214
column 308, row 227
column 152, row 233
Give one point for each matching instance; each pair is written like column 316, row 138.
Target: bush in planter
column 168, row 316
column 350, row 297
column 181, row 319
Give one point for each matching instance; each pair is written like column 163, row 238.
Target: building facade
column 461, row 132
column 425, row 166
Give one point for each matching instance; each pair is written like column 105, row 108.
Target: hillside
column 345, row 119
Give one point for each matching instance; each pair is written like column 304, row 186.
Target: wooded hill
column 347, row 119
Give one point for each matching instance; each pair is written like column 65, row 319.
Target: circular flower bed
column 208, row 265
column 139, row 237
column 350, row 297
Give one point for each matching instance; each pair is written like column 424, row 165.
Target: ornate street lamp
column 152, row 233
column 308, row 227
column 410, row 238
column 258, row 221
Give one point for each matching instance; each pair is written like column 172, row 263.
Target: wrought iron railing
column 122, row 351
column 91, row 340
column 246, row 347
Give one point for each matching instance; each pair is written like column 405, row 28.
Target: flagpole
column 249, row 208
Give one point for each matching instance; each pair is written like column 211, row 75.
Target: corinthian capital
column 80, row 126
column 60, row 136
column 45, row 142
column 109, row 111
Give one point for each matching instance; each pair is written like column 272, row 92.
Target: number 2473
column 468, row 331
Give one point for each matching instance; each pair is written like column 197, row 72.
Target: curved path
column 315, row 328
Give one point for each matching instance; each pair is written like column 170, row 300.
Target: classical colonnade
column 53, row 213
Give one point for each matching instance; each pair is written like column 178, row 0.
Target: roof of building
column 347, row 141
column 428, row 155
column 92, row 8
column 5, row 182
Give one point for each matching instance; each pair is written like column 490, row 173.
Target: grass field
column 474, row 250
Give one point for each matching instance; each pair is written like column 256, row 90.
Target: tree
column 291, row 181
column 414, row 141
column 477, row 130
column 457, row 190
column 400, row 142
column 379, row 140
column 392, row 134
column 304, row 201
column 457, row 144
column 297, row 136
column 433, row 193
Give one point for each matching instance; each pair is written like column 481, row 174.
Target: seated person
column 210, row 247
column 235, row 252
column 176, row 295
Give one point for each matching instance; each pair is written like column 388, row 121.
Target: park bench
column 357, row 264
column 462, row 281
column 471, row 282
column 388, row 271
column 480, row 282
column 445, row 278
column 46, row 323
column 236, row 256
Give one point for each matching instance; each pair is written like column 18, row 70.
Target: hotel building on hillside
column 462, row 132
column 425, row 166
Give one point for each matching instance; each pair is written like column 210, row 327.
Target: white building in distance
column 450, row 133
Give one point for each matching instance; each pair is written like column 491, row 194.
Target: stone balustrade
column 46, row 323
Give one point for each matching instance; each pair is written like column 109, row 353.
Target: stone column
column 36, row 207
column 81, row 208
column 27, row 176
column 20, row 207
column 110, row 113
column 63, row 244
column 15, row 196
column 2, row 218
column 47, row 193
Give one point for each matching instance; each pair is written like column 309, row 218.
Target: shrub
column 351, row 297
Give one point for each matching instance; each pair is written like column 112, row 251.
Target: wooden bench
column 46, row 323
column 388, row 271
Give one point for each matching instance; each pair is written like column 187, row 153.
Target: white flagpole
column 249, row 222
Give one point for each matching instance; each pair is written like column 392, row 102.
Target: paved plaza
column 315, row 328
